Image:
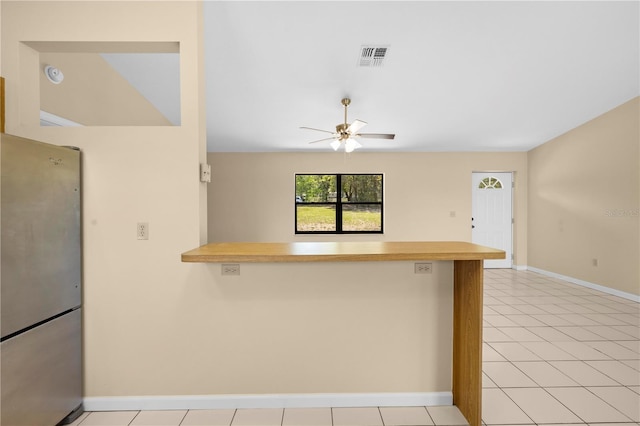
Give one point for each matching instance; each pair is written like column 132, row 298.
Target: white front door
column 492, row 221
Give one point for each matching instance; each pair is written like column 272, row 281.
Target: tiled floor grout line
column 589, row 390
column 235, row 413
column 508, row 396
column 185, row 415
column 134, row 417
column 430, row 416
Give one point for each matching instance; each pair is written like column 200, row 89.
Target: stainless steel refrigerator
column 40, row 283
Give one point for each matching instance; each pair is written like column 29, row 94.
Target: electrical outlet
column 230, row 269
column 423, row 268
column 594, row 262
column 143, row 231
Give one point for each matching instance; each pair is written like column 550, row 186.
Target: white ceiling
column 458, row 76
column 155, row 75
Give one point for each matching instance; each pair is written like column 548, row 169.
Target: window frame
column 338, row 204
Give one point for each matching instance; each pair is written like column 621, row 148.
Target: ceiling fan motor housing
column 341, row 129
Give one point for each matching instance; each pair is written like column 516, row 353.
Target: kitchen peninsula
column 467, row 290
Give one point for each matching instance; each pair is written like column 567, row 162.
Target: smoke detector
column 53, row 74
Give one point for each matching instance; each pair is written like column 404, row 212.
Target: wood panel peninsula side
column 467, row 290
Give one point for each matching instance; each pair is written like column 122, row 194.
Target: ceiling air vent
column 372, row 56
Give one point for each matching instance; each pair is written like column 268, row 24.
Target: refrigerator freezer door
column 41, row 379
column 41, row 240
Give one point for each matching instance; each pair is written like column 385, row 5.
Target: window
column 339, row 204
column 490, row 183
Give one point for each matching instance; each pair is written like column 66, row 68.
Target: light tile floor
column 554, row 353
column 558, row 353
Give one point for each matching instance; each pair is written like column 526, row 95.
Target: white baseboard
column 319, row 400
column 519, row 267
column 608, row 290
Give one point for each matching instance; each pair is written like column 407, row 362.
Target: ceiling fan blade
column 322, row 140
column 355, row 126
column 375, row 135
column 318, row 130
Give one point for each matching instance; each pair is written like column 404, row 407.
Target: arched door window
column 490, row 183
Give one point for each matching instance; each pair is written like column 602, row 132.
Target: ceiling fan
column 347, row 133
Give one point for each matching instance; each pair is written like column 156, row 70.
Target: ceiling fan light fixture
column 351, row 145
column 346, row 132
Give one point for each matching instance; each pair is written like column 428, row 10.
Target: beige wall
column 1, row 38
column 346, row 310
column 156, row 326
column 251, row 197
column 94, row 93
column 584, row 202
column 139, row 299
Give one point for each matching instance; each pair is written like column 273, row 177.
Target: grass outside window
column 339, row 204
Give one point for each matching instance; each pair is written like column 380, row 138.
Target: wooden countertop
column 340, row 252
